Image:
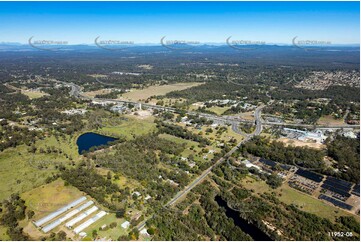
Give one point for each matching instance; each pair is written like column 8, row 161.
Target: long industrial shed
column 58, row 212
column 84, row 225
column 57, row 222
column 81, row 217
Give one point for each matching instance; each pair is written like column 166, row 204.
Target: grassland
column 330, row 120
column 191, row 146
column 109, row 233
column 97, row 92
column 20, row 170
column 122, row 182
column 33, row 94
column 303, row 201
column 129, row 128
column 299, row 143
column 136, row 95
column 50, row 197
column 3, row 235
column 218, row 110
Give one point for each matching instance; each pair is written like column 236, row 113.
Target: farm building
column 59, row 211
column 66, row 217
column 81, row 217
column 125, row 225
column 86, row 224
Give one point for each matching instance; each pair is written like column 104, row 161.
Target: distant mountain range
column 12, row 46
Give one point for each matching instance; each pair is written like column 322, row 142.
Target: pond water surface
column 89, row 140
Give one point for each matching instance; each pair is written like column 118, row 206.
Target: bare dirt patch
column 299, row 143
column 329, row 120
column 142, row 114
column 247, row 115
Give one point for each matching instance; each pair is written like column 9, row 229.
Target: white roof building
column 86, row 224
column 66, row 217
column 144, row 232
column 125, row 225
column 81, row 217
column 59, row 211
column 249, row 164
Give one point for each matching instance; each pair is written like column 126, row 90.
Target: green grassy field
column 218, row 110
column 50, row 197
column 133, row 126
column 21, row 170
column 3, row 234
column 189, row 143
column 109, row 233
column 33, row 94
column 303, row 201
column 17, row 174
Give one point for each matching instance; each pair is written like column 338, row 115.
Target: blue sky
column 148, row 22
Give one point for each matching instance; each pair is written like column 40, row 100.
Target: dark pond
column 89, row 140
column 248, row 228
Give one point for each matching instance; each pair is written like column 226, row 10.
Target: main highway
column 232, row 120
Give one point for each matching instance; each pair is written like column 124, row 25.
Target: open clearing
column 303, row 201
column 329, row 120
column 97, row 92
column 188, row 148
column 218, row 110
column 33, row 94
column 48, row 198
column 129, row 128
column 136, row 95
column 108, row 233
column 20, row 170
column 299, row 143
column 247, row 115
